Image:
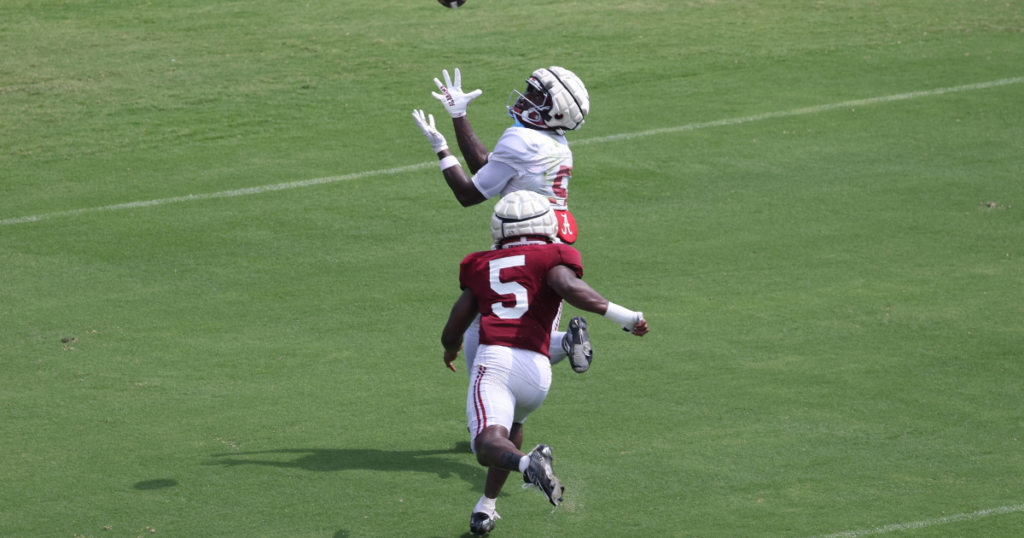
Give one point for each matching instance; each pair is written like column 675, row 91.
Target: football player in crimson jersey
column 532, row 155
column 517, row 290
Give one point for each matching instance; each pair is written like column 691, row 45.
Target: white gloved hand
column 452, row 97
column 426, row 125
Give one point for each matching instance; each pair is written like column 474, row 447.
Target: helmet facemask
column 531, row 109
column 562, row 97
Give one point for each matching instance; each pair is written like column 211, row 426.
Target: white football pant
column 506, row 385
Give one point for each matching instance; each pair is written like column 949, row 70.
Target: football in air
column 451, row 4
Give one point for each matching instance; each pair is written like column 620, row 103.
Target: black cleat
column 539, row 473
column 481, row 523
column 576, row 344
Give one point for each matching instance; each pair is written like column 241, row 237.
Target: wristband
column 625, row 317
column 449, row 162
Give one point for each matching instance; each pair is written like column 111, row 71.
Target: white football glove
column 426, row 125
column 452, row 97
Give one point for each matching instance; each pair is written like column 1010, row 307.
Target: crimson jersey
column 517, row 306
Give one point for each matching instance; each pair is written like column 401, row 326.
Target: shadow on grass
column 346, row 459
column 159, row 483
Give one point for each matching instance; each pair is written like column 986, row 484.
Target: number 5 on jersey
column 508, row 288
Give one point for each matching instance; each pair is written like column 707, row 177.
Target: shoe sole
column 486, row 528
column 578, row 353
column 549, row 473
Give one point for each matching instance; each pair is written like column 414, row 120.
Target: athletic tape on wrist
column 625, row 317
column 449, row 162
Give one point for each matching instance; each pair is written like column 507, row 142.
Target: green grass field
column 836, row 295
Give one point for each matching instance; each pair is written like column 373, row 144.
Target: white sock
column 486, row 505
column 555, row 348
column 524, row 463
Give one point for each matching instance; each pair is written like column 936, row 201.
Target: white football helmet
column 556, row 100
column 523, row 213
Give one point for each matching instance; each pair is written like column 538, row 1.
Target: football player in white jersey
column 532, row 155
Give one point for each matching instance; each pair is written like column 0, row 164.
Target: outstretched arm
column 463, row 313
column 455, row 102
column 458, row 181
column 575, row 291
column 473, row 150
column 579, row 294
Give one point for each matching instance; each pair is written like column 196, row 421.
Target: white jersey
column 528, row 160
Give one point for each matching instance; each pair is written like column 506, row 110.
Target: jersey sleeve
column 514, row 150
column 493, row 177
column 571, row 258
column 465, row 272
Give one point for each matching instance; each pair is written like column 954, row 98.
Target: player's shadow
column 346, row 459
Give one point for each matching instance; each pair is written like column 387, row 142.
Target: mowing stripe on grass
column 927, row 522
column 585, row 141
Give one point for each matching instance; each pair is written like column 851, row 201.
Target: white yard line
column 222, row 194
column 586, row 141
column 801, row 111
column 926, row 523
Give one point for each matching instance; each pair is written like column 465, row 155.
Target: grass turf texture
column 835, row 308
